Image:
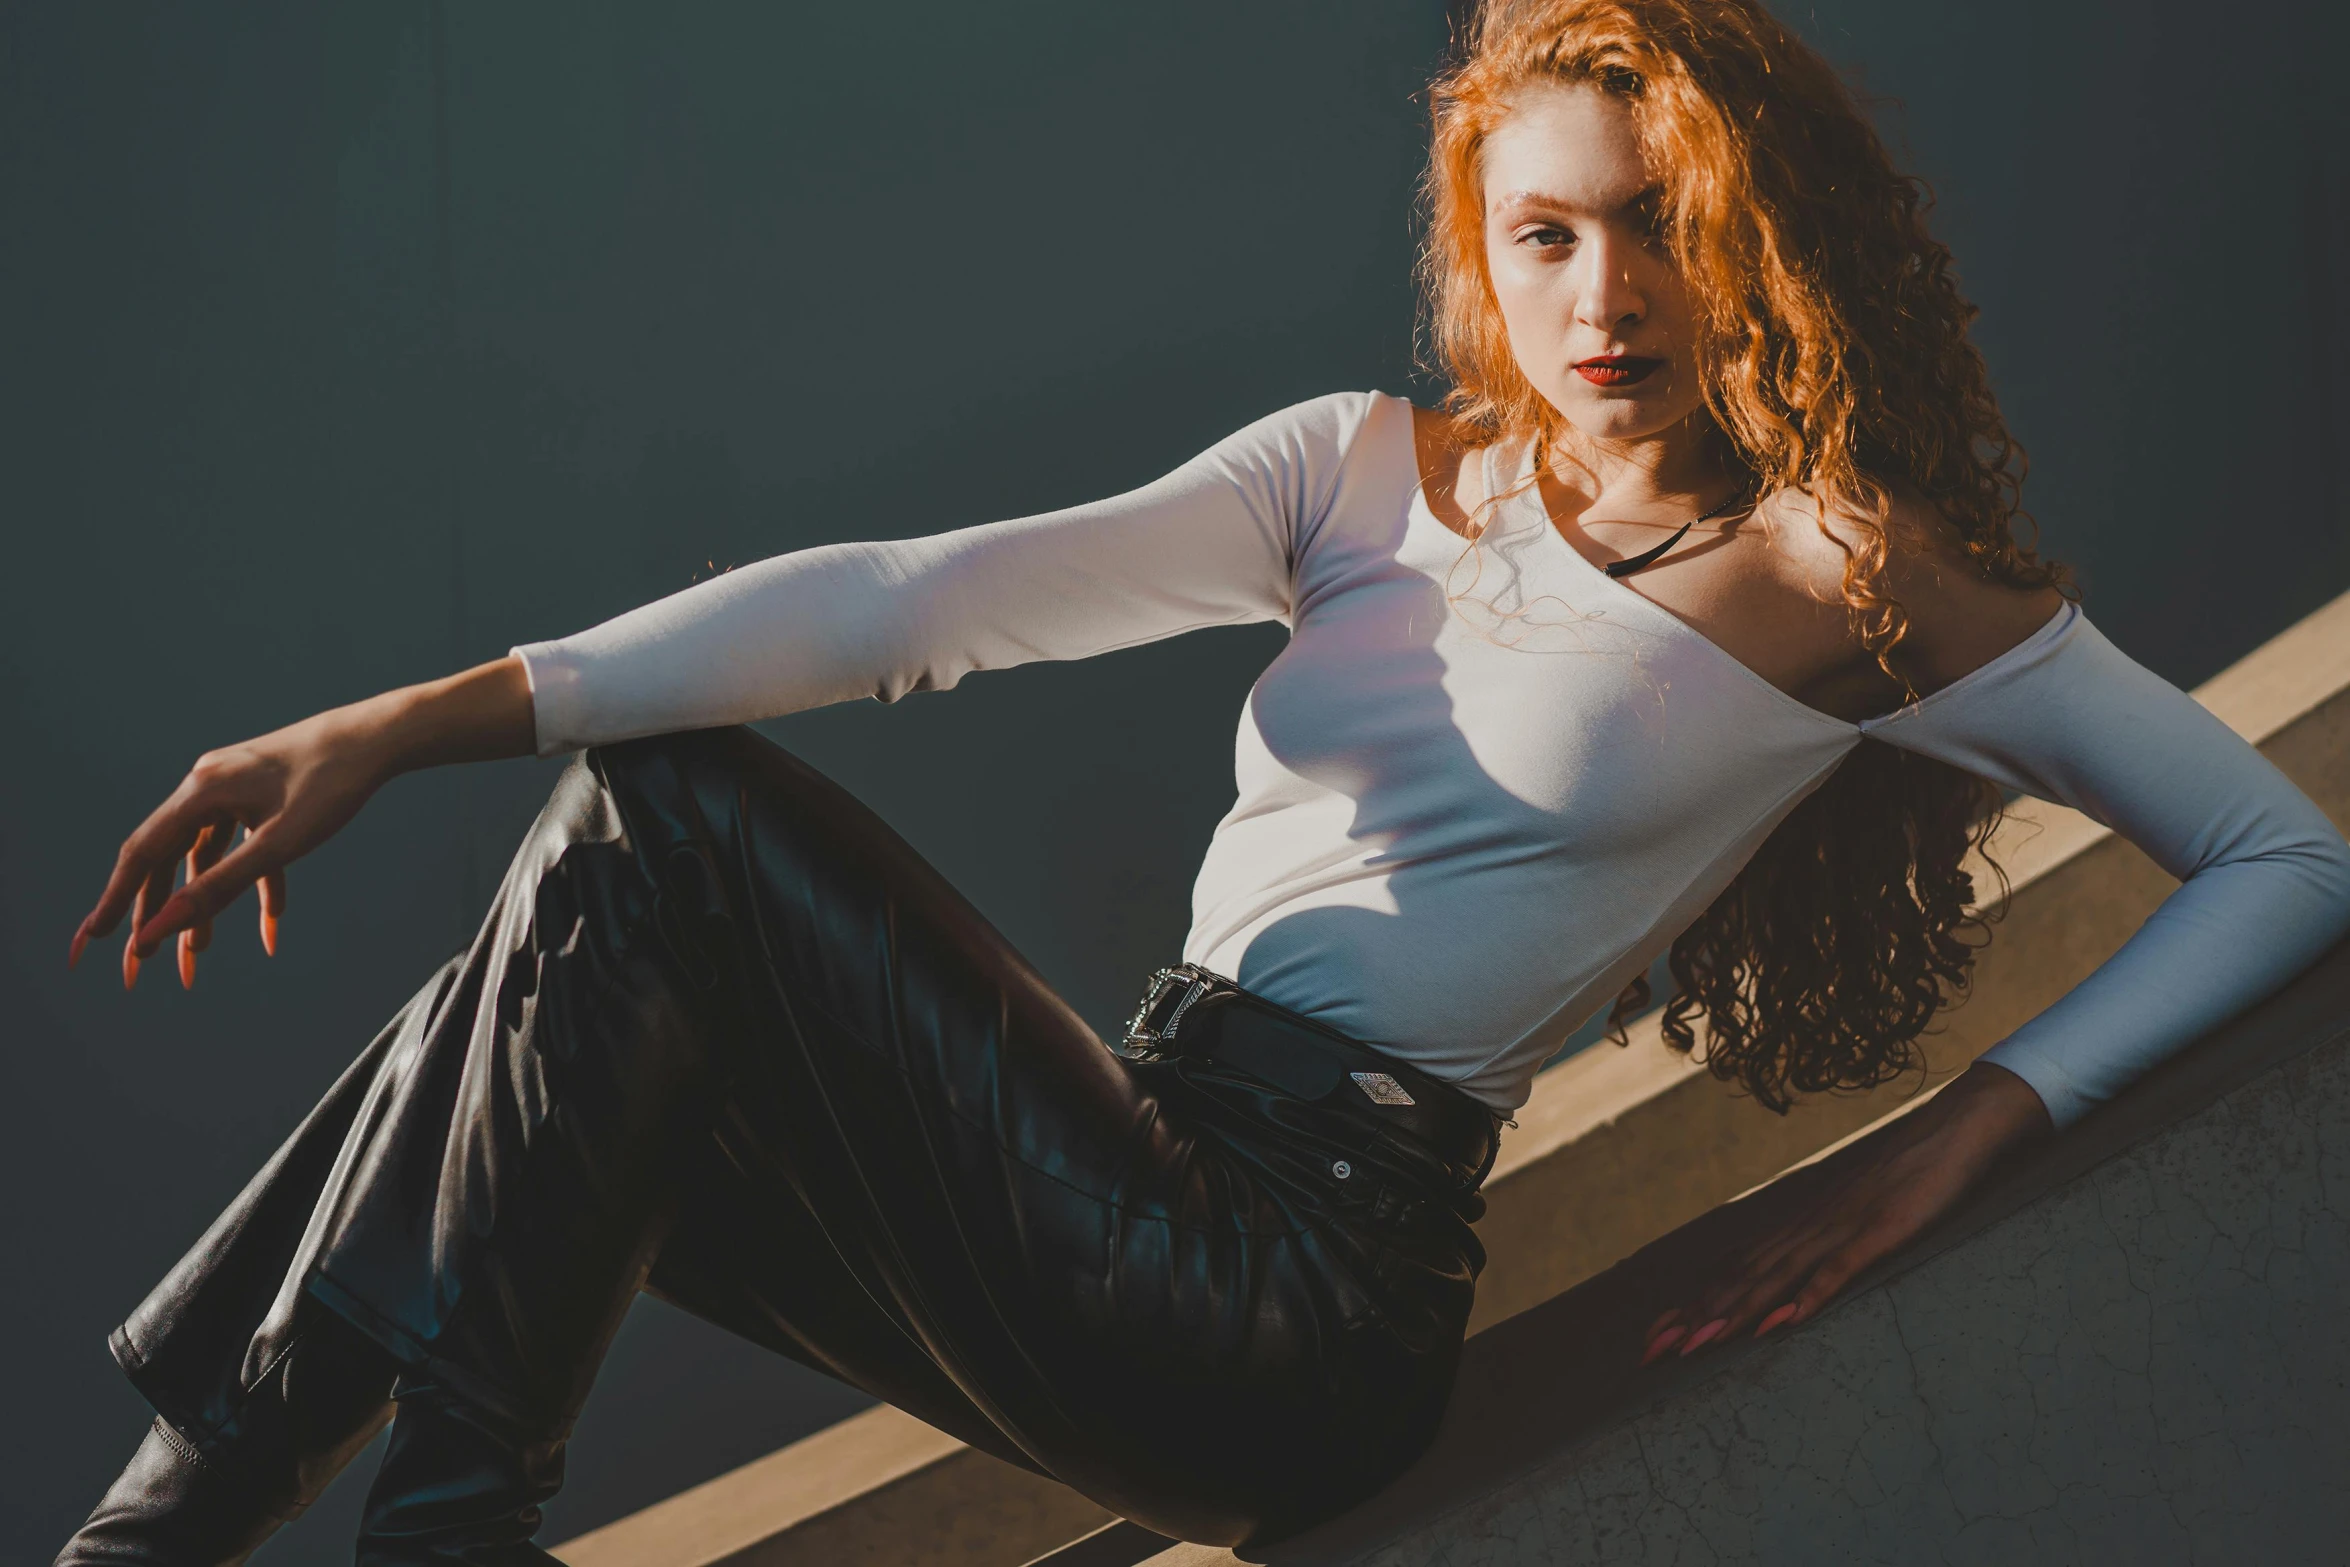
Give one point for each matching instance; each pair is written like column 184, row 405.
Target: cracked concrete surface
column 2147, row 1365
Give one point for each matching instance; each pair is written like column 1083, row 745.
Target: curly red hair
column 1834, row 354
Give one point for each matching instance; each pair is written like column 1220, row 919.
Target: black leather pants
column 725, row 1036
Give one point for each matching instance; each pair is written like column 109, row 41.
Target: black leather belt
column 1189, row 1011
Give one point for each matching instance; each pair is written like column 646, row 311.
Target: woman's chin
column 1617, row 416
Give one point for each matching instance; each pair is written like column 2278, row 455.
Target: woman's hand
column 290, row 791
column 1855, row 1207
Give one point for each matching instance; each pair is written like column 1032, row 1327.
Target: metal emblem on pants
column 1382, row 1089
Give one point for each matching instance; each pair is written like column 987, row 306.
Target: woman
column 1694, row 621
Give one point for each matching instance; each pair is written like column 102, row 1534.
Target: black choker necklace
column 1631, row 563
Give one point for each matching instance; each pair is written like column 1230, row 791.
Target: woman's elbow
column 2325, row 858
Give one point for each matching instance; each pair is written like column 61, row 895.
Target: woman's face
column 1595, row 309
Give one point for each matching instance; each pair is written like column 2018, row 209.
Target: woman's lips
column 1616, row 369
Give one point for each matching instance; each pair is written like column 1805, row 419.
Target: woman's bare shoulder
column 1960, row 616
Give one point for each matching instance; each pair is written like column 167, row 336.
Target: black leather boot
column 458, row 1488
column 184, row 1502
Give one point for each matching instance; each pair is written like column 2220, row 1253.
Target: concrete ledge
column 2127, row 1348
column 877, row 1490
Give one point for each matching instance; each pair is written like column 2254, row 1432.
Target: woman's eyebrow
column 1530, row 198
column 1643, row 200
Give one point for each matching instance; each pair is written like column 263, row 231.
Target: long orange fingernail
column 1774, row 1319
column 81, row 939
column 1662, row 1342
column 269, row 933
column 1705, row 1335
column 187, row 946
column 130, row 964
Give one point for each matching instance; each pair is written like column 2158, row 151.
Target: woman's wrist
column 481, row 714
column 1993, row 1108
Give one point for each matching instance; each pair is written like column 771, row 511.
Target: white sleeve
column 2265, row 877
column 1213, row 543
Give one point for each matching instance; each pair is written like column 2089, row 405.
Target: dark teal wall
column 339, row 347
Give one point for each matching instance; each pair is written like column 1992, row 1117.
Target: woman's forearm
column 480, row 715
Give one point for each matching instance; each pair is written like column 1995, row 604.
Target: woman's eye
column 1545, row 237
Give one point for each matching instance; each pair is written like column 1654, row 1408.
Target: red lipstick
column 1616, row 369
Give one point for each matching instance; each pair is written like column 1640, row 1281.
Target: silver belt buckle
column 1154, row 1022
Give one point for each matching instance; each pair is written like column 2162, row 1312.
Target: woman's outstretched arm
column 2265, row 890
column 1213, row 543
column 291, row 790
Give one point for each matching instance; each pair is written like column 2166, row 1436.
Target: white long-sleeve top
column 1480, row 789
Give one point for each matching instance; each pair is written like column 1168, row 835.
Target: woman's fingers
column 207, row 895
column 132, row 863
column 1808, row 1275
column 1771, row 1256
column 211, row 845
column 1668, row 1330
column 1778, row 1271
column 154, row 891
column 1840, row 1267
column 212, row 842
column 1726, row 1309
column 1685, row 1327
column 190, row 869
column 167, row 833
column 1837, row 1268
column 1767, row 1292
column 273, row 908
column 1679, row 1326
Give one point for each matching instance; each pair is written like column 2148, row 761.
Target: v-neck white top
column 1484, row 786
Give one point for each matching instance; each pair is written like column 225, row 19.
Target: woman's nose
column 1608, row 295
